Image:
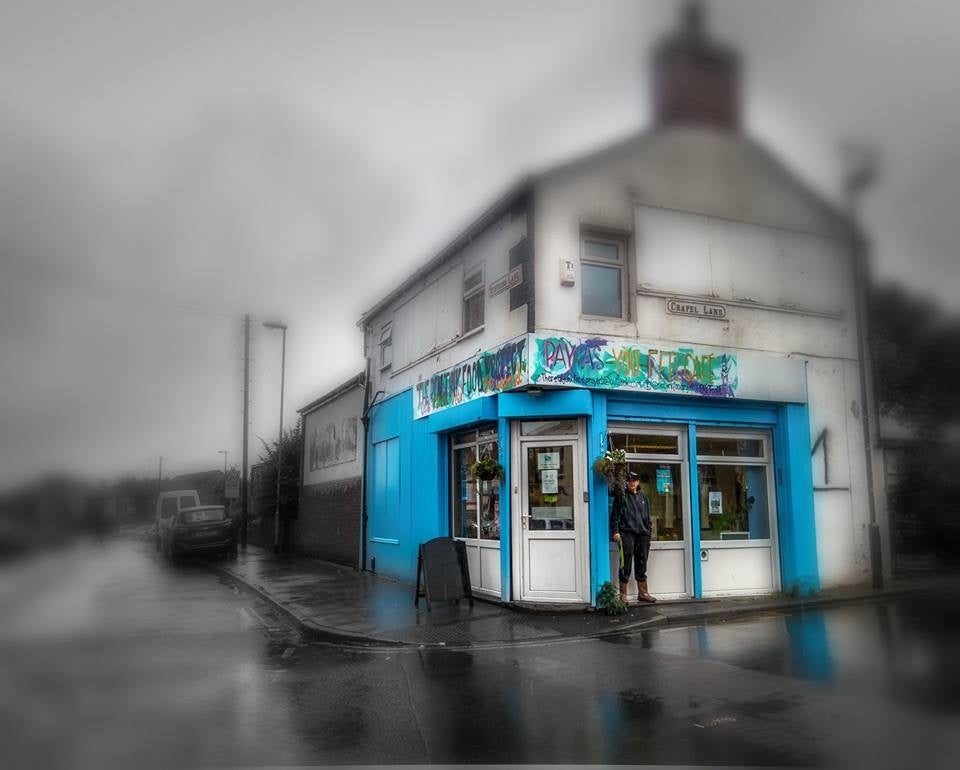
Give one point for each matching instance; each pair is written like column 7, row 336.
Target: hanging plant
column 612, row 464
column 486, row 469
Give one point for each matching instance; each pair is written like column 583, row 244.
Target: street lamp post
column 224, row 453
column 861, row 172
column 283, row 361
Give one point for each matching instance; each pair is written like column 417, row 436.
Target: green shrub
column 610, row 601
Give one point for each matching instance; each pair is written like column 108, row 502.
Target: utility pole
column 159, row 474
column 279, row 458
column 246, row 423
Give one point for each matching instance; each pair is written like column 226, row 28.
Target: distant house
column 329, row 522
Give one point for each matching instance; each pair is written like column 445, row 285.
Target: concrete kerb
column 304, row 625
column 324, row 633
column 694, row 615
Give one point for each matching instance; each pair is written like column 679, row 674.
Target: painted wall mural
column 598, row 363
column 333, row 443
column 490, row 372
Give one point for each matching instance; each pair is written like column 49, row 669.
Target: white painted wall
column 713, row 216
column 333, row 440
column 763, row 243
column 428, row 317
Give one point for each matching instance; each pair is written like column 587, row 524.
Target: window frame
column 480, row 289
column 678, row 459
column 765, row 461
column 386, row 343
column 621, row 241
column 484, row 435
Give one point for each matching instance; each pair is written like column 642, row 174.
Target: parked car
column 200, row 529
column 167, row 506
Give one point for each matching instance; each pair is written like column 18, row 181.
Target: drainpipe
column 365, row 422
column 861, row 173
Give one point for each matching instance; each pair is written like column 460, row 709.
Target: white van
column 169, row 504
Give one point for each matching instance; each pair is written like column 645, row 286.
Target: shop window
column 735, row 493
column 386, row 346
column 720, row 446
column 602, row 276
column 643, row 443
column 548, row 428
column 476, row 503
column 657, row 457
column 473, row 292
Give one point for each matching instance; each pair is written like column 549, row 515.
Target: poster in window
column 716, row 503
column 664, row 481
column 549, row 482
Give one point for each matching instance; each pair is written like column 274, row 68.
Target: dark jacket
column 631, row 513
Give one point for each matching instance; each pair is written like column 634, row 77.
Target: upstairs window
column 386, row 346
column 602, row 276
column 473, row 291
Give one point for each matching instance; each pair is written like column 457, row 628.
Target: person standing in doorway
column 630, row 525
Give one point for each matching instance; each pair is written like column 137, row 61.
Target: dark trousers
column 636, row 548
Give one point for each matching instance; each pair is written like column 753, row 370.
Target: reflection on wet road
column 903, row 648
column 109, row 658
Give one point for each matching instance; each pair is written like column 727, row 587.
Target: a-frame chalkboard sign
column 442, row 566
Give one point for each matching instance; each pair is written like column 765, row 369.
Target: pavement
column 332, row 602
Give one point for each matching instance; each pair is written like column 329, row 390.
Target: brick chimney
column 695, row 81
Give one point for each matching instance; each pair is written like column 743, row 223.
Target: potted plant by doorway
column 486, row 469
column 612, row 465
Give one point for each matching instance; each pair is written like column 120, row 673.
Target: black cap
column 631, row 476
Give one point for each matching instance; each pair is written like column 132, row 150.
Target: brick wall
column 328, row 526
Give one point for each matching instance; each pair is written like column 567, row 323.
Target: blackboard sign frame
column 434, row 567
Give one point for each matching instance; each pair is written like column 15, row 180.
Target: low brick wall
column 328, row 526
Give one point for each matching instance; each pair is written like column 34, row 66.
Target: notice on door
column 548, row 461
column 716, row 503
column 549, row 482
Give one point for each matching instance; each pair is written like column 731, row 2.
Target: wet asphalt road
column 110, row 658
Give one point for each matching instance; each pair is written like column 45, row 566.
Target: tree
column 916, row 352
column 290, row 453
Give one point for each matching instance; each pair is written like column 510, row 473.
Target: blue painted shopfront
column 409, row 479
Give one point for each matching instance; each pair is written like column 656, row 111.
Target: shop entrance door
column 552, row 521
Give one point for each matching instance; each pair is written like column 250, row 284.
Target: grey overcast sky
column 167, row 166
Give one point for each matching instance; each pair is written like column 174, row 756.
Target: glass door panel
column 550, row 500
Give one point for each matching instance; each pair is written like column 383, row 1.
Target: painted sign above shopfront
column 490, row 372
column 556, row 359
column 593, row 362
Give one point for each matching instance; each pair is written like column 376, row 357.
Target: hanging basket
column 612, row 465
column 486, row 469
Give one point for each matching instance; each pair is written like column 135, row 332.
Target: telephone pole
column 246, row 423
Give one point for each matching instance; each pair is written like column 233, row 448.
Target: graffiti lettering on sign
column 488, row 373
column 599, row 363
column 333, row 443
